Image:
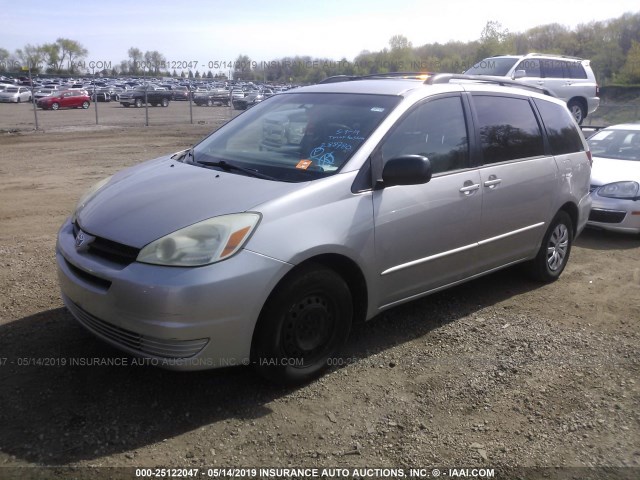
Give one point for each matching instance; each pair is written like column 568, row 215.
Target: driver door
column 426, row 235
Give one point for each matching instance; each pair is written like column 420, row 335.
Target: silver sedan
column 615, row 178
column 15, row 95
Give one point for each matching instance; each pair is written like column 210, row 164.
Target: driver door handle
column 469, row 187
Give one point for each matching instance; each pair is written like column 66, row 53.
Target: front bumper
column 179, row 318
column 615, row 214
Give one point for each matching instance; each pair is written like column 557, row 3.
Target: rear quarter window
column 575, row 70
column 561, row 130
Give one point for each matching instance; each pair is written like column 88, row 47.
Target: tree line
column 613, row 46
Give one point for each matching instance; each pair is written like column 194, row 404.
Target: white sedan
column 15, row 94
column 615, row 178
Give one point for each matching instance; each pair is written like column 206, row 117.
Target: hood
column 144, row 203
column 608, row 170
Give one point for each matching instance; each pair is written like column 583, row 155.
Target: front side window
column 298, row 136
column 531, row 67
column 436, row 130
column 508, row 129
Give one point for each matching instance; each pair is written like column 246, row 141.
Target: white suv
column 568, row 78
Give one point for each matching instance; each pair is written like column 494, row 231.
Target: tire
column 209, row 103
column 577, row 110
column 138, row 103
column 85, row 105
column 303, row 325
column 165, row 102
column 554, row 251
column 55, row 106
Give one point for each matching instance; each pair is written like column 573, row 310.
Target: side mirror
column 406, row 170
column 519, row 74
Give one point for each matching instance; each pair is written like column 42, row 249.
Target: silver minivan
column 320, row 207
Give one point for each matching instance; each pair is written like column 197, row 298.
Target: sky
column 218, row 31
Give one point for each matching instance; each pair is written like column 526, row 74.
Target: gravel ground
column 498, row 373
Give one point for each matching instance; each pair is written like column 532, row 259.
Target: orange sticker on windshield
column 304, row 164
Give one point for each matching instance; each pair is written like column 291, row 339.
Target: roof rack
column 431, row 78
column 505, row 82
column 555, row 55
column 407, row 75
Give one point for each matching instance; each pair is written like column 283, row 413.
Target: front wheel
column 85, row 105
column 138, row 103
column 165, row 102
column 554, row 251
column 303, row 325
column 55, row 106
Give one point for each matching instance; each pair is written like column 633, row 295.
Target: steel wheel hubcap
column 308, row 328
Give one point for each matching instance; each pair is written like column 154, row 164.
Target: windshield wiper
column 230, row 166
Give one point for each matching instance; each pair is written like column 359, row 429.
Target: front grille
column 606, row 216
column 97, row 282
column 113, row 251
column 142, row 344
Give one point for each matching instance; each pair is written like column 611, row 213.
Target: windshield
column 616, row 144
column 297, row 137
column 492, row 66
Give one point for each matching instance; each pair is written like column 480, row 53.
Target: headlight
column 628, row 190
column 89, row 194
column 203, row 243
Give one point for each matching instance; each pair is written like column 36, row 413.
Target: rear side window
column 508, row 129
column 561, row 129
column 552, row 68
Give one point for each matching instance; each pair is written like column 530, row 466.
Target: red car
column 65, row 99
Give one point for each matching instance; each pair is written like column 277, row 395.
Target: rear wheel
column 554, row 251
column 138, row 103
column 55, row 106
column 165, row 102
column 577, row 110
column 303, row 325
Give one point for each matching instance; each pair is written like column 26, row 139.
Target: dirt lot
column 498, row 373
